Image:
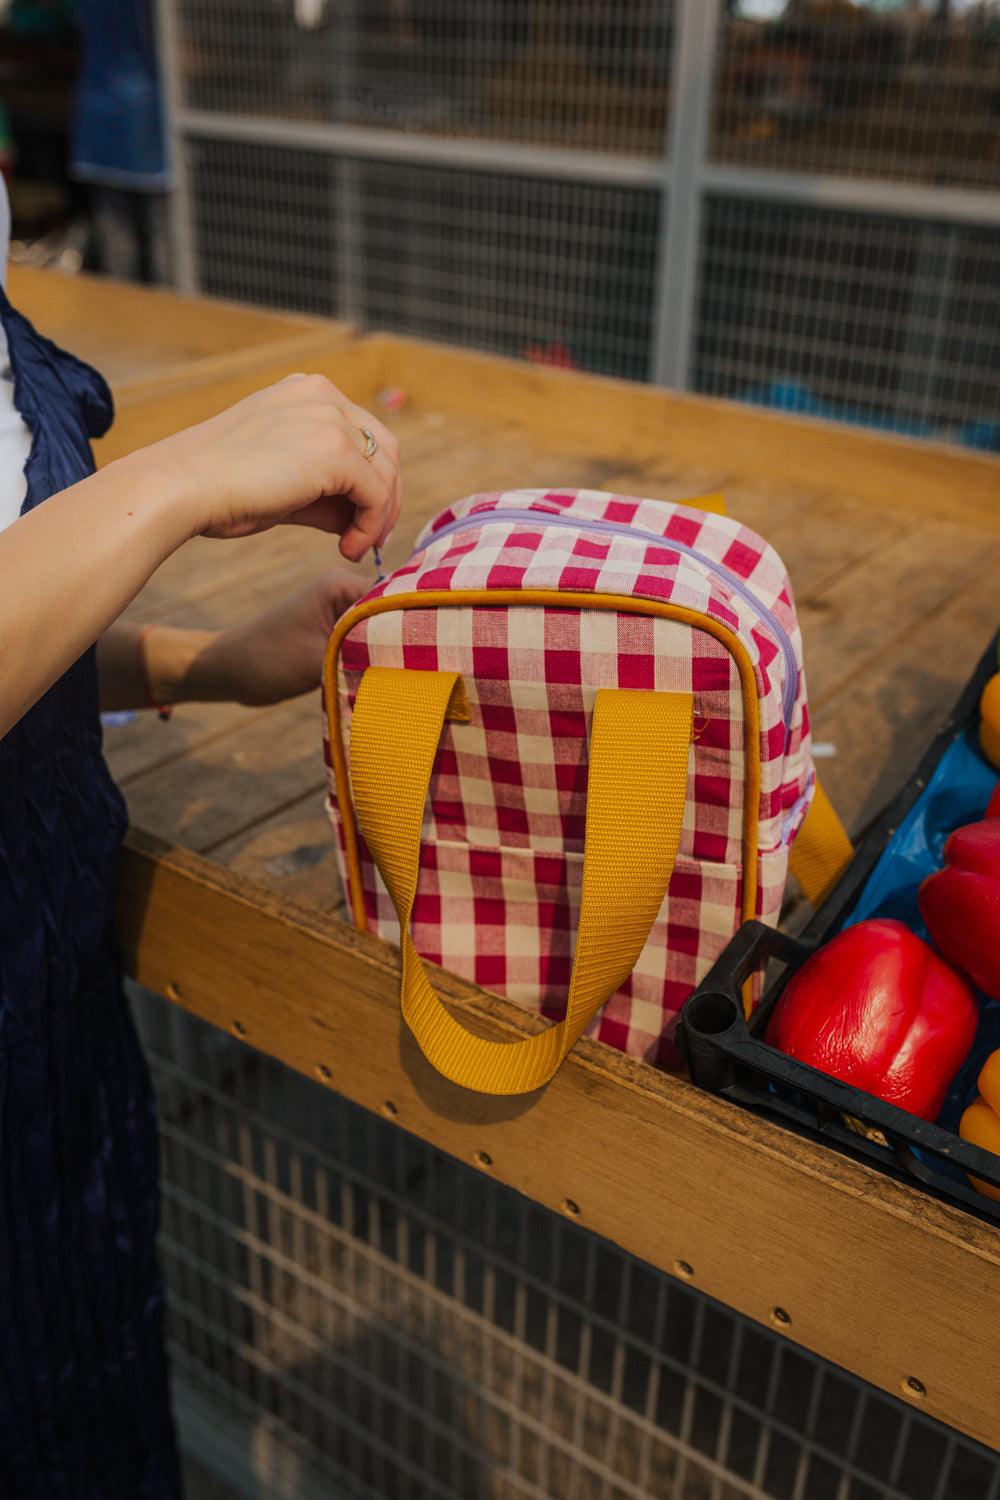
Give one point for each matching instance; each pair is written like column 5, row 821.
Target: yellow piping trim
column 543, row 598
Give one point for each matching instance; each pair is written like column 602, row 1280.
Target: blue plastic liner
column 790, row 395
column 957, row 793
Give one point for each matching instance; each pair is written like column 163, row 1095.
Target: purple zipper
column 619, row 528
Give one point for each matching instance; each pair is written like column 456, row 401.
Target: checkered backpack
column 569, row 752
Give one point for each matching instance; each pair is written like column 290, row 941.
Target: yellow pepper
column 989, row 724
column 981, row 1121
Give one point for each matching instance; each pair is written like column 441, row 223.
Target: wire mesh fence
column 474, row 258
column 266, row 230
column 593, row 74
column 393, row 1323
column 892, row 322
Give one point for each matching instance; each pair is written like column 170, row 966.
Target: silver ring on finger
column 371, row 444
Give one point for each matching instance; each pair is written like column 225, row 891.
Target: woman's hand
column 273, row 656
column 277, row 654
column 293, row 452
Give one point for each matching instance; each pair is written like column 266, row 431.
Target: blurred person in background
column 117, row 141
column 84, row 1405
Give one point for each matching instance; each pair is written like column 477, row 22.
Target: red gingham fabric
column 502, row 848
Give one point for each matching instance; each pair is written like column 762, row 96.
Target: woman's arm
column 69, row 567
column 146, row 666
column 271, row 657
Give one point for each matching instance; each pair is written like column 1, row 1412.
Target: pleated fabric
column 84, row 1407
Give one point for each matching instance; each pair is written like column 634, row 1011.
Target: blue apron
column 84, row 1412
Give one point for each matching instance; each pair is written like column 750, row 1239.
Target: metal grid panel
column 904, row 91
column 399, row 1324
column 509, row 264
column 872, row 320
column 265, row 225
column 595, row 74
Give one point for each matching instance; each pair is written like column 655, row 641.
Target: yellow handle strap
column 821, row 850
column 715, row 503
column 636, row 791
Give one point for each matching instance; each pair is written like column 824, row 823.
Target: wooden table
column 146, row 340
column 230, row 903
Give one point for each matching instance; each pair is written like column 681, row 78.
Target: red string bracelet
column 164, row 710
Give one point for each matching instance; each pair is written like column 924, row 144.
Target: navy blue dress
column 84, row 1410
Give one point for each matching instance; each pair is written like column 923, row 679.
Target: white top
column 15, row 439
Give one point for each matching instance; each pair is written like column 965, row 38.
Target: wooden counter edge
column 873, row 1275
column 315, row 340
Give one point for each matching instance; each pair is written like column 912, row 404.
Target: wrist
column 164, row 489
column 172, row 660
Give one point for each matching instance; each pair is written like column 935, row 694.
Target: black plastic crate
column 727, row 1055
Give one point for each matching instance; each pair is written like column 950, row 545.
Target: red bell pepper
column 961, row 903
column 877, row 1008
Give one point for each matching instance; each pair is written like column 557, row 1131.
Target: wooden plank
column 872, row 1274
column 233, row 781
column 291, row 852
column 887, row 710
column 296, row 349
column 147, row 742
column 144, row 339
column 852, row 625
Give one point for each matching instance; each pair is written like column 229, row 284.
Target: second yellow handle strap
column 636, row 791
column 821, row 850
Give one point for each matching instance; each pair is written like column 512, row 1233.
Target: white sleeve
column 15, row 439
column 4, row 229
